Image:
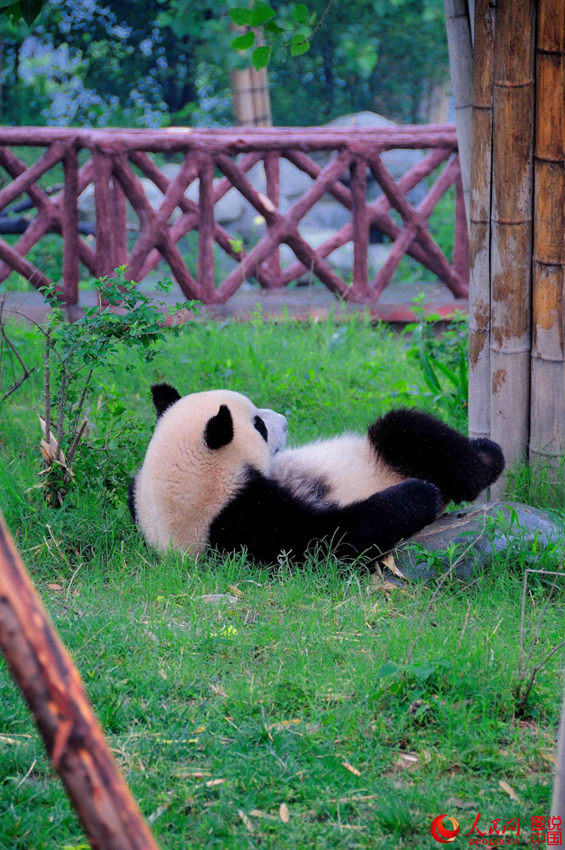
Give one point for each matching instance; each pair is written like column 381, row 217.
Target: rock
column 342, row 258
column 474, row 535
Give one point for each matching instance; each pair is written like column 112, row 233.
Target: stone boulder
column 466, row 541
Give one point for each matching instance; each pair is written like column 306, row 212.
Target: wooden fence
column 112, row 161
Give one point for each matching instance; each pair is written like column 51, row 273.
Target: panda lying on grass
column 216, row 473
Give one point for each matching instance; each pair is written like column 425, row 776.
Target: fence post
column 360, row 229
column 103, row 204
column 273, row 186
column 70, row 227
column 206, row 228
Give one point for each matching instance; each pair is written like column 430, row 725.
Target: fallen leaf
column 461, row 804
column 407, row 761
column 192, row 774
column 257, row 813
column 235, row 590
column 282, row 725
column 212, row 782
column 508, row 790
column 350, row 767
column 389, row 562
column 56, row 587
column 284, row 813
column 157, row 813
column 246, row 821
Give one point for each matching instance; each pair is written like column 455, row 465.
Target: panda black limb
column 216, row 473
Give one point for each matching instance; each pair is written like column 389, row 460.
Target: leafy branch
column 291, row 30
column 73, row 353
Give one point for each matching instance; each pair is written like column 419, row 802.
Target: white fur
column 346, row 468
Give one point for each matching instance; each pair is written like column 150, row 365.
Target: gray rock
column 467, row 540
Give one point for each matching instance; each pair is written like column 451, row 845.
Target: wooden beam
column 55, row 694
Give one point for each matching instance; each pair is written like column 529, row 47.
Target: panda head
column 222, row 419
column 202, row 449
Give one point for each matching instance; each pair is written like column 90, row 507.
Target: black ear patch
column 260, row 426
column 164, row 395
column 219, row 429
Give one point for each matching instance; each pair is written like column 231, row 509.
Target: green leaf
column 299, row 45
column 261, row 13
column 388, row 669
column 241, row 16
column 272, row 28
column 300, row 13
column 242, row 42
column 260, row 57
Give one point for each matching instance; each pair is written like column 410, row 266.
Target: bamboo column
column 459, row 41
column 547, row 428
column 480, row 213
column 511, row 226
column 251, row 100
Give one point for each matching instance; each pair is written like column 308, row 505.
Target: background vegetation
column 168, row 62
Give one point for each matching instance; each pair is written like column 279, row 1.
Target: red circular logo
column 440, row 832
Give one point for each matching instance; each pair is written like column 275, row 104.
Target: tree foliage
column 169, row 61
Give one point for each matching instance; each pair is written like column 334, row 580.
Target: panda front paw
column 423, row 497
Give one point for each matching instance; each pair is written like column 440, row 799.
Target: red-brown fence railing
column 112, row 160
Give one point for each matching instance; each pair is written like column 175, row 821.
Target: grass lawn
column 291, row 688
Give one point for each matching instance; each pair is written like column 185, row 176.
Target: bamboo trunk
column 460, row 47
column 511, row 227
column 480, row 214
column 56, row 696
column 547, row 427
column 251, row 100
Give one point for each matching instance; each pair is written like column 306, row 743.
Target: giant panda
column 216, row 474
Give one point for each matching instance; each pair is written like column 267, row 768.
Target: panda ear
column 219, row 429
column 164, row 395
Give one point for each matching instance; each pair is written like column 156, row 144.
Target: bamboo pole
column 55, row 694
column 511, row 227
column 479, row 230
column 459, row 42
column 547, row 425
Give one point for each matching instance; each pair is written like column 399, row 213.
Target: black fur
column 164, row 395
column 268, row 519
column 131, row 500
column 219, row 429
column 419, row 446
column 260, row 426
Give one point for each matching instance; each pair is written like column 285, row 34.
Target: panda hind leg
column 417, row 445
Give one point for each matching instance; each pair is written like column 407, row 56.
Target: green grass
column 299, row 692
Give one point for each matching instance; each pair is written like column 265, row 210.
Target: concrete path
column 298, row 302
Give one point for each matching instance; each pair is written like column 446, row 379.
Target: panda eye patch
column 260, row 426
